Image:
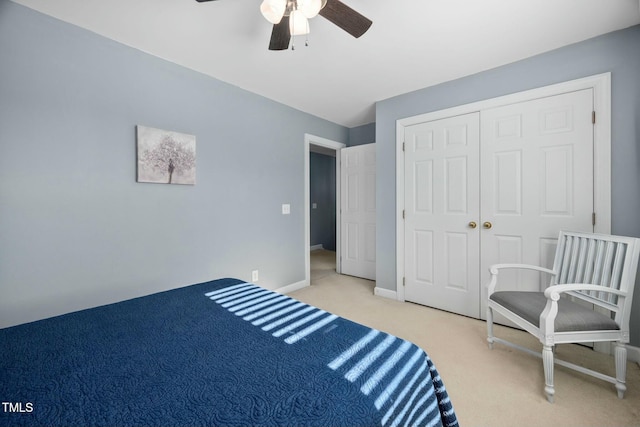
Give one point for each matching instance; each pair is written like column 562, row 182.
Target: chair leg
column 490, row 327
column 621, row 368
column 547, row 362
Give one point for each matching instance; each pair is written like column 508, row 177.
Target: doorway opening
column 325, row 147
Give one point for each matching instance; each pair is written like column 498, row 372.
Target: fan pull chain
column 294, row 7
column 293, row 42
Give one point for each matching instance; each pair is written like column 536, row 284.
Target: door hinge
column 593, row 117
column 402, row 213
column 593, row 218
column 404, row 282
column 403, row 146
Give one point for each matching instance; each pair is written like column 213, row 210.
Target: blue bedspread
column 221, row 353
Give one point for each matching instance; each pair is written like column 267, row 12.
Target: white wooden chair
column 594, row 268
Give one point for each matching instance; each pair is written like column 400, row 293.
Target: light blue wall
column 365, row 134
column 618, row 53
column 76, row 230
column 322, row 192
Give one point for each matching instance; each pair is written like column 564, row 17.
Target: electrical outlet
column 254, row 276
column 286, row 209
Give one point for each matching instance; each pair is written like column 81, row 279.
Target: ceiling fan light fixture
column 298, row 23
column 273, row 10
column 290, row 18
column 311, row 8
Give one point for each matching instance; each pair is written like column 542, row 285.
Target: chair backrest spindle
column 573, row 263
column 582, row 259
column 591, row 253
column 618, row 264
column 598, row 266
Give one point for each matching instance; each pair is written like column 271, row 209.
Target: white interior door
column 441, row 201
column 358, row 219
column 537, row 179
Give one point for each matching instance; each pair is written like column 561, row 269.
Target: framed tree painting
column 165, row 157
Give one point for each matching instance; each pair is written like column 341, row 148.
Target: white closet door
column 537, row 179
column 520, row 172
column 441, row 201
column 358, row 217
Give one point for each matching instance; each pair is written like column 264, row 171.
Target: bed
column 220, row 353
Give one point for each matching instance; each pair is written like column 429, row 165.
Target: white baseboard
column 385, row 293
column 607, row 347
column 317, row 247
column 633, row 354
column 292, row 287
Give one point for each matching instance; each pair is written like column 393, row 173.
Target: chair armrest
column 548, row 315
column 553, row 292
column 495, row 269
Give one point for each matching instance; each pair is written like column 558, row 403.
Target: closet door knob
column 473, row 224
column 487, row 225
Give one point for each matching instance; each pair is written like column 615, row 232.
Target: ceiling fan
column 289, row 17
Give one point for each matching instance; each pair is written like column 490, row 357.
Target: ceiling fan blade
column 202, row 1
column 280, row 35
column 346, row 18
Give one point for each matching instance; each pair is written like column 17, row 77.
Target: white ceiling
column 412, row 44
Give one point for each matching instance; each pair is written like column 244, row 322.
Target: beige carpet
column 499, row 387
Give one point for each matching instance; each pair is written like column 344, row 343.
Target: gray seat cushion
column 571, row 316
